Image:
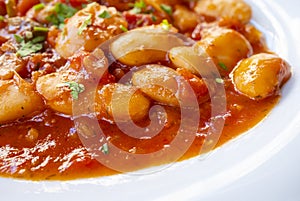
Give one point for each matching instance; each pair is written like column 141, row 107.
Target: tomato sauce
column 58, row 154
column 48, row 146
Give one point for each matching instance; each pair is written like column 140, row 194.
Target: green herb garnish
column 18, row 38
column 166, row 8
column 154, row 18
column 165, row 25
column 39, row 6
column 75, row 88
column 29, row 47
column 38, row 39
column 123, row 28
column 1, row 18
column 85, row 24
column 223, row 66
column 42, row 29
column 105, row 14
column 140, row 22
column 138, row 6
column 61, row 12
column 104, row 148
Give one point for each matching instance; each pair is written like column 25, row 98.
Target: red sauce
column 58, row 154
column 48, row 147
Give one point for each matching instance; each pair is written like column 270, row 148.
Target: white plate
column 262, row 164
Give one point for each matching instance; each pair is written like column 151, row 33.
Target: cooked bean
column 164, row 85
column 121, row 102
column 236, row 9
column 10, row 63
column 85, row 30
column 261, row 75
column 184, row 18
column 56, row 91
column 194, row 59
column 18, row 99
column 145, row 45
column 226, row 47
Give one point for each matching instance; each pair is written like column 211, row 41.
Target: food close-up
column 125, row 63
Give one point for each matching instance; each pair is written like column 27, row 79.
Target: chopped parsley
column 61, row 12
column 42, row 29
column 219, row 81
column 140, row 22
column 105, row 14
column 75, row 88
column 38, row 39
column 223, row 66
column 104, row 148
column 30, row 46
column 154, row 18
column 85, row 24
column 123, row 28
column 18, row 38
column 165, row 25
column 138, row 6
column 166, row 8
column 84, row 5
column 39, row 6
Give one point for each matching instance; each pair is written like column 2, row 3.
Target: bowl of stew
column 113, row 95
